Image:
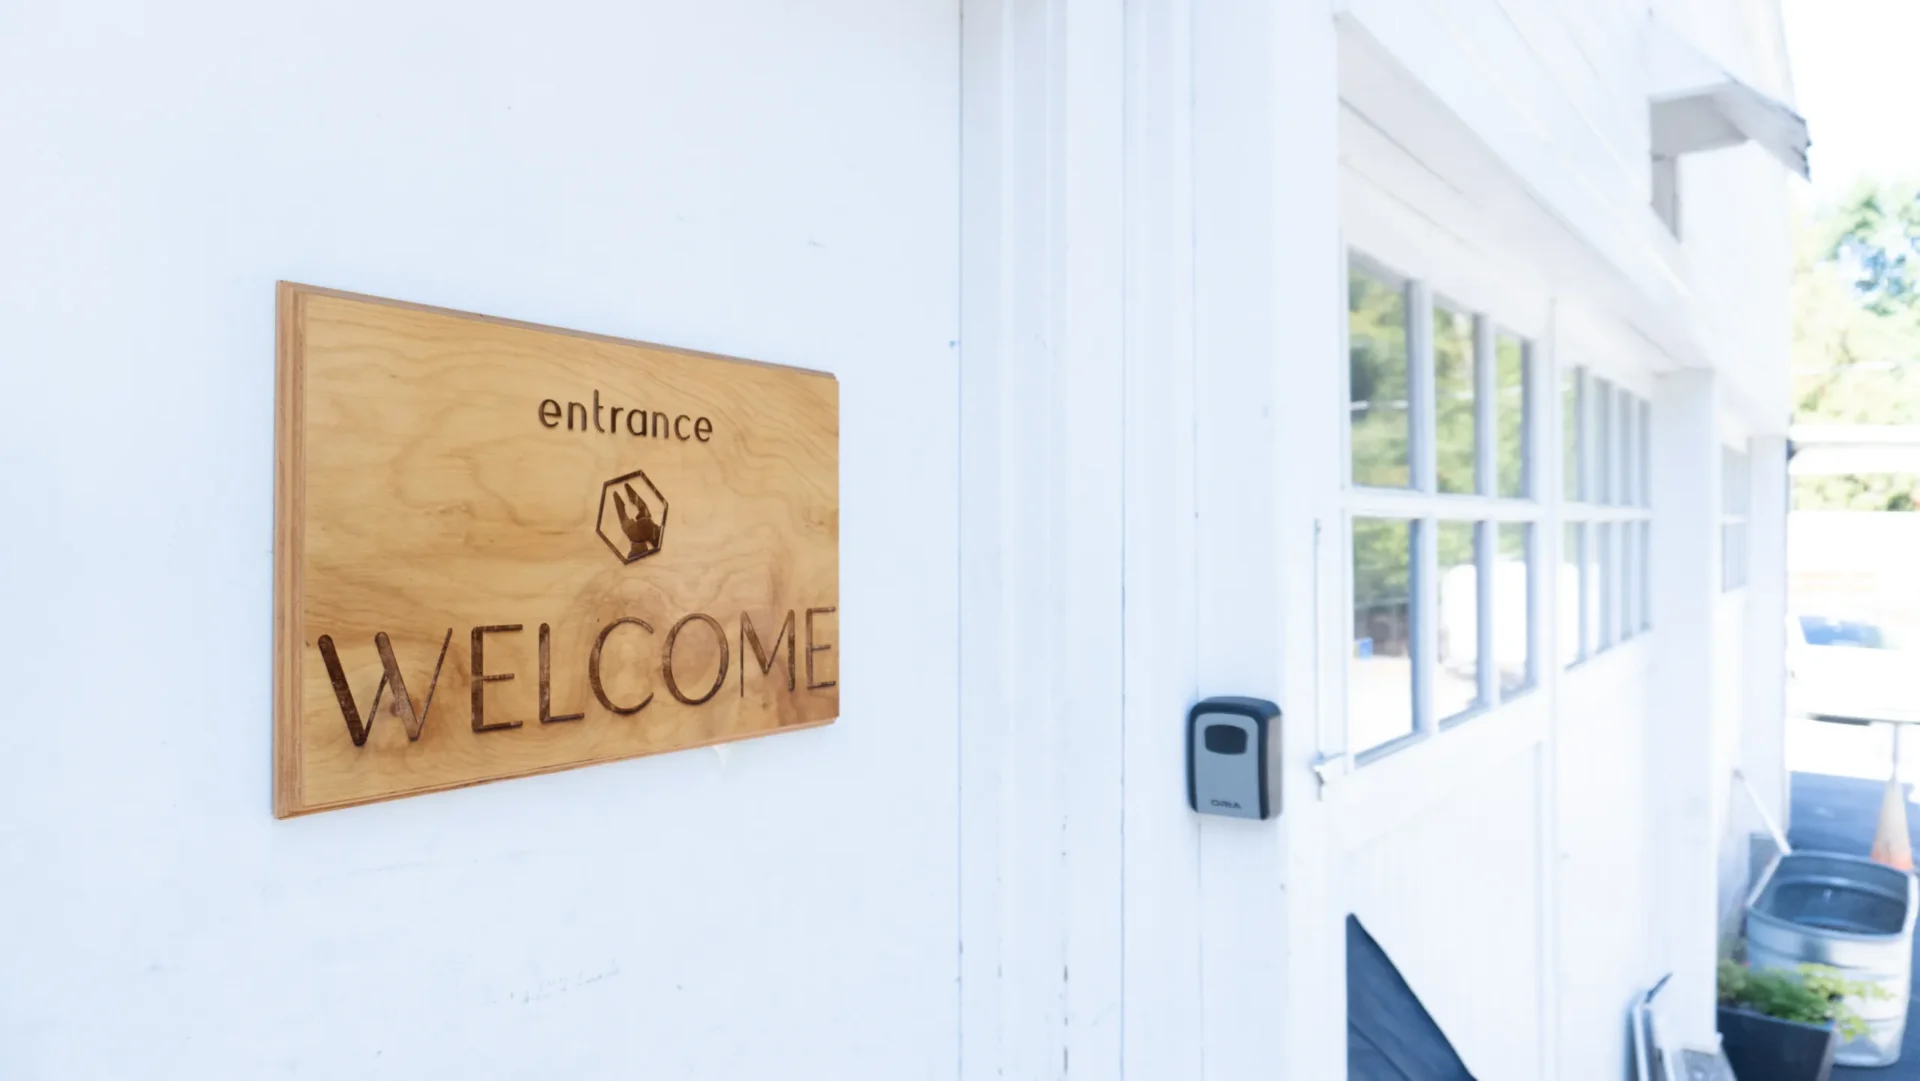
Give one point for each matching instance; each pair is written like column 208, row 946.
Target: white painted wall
column 1735, row 820
column 1138, row 246
column 1605, row 876
column 1454, row 899
column 743, row 176
column 1739, row 254
column 1552, row 100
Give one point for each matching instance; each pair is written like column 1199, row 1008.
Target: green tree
column 1856, row 330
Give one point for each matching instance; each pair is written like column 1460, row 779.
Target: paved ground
column 1837, row 814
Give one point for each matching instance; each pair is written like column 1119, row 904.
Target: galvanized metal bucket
column 1850, row 913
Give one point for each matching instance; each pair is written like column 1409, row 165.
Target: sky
column 1854, row 80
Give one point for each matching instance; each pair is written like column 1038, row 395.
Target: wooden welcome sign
column 503, row 549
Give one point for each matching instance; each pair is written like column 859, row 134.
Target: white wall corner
column 1042, row 524
column 1763, row 737
column 1681, row 740
column 1268, row 307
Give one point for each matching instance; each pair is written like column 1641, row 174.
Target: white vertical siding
column 1593, row 54
column 1606, row 954
column 1738, row 248
column 1736, row 818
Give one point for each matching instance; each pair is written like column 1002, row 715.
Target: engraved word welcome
column 414, row 717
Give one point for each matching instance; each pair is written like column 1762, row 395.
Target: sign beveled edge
column 289, row 537
column 289, row 541
column 546, row 328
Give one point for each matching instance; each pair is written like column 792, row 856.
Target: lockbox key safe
column 1233, row 757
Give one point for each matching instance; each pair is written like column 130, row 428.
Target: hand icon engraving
column 643, row 533
column 642, row 519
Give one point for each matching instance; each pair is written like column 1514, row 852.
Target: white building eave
column 1493, row 126
column 1697, row 105
column 1464, row 118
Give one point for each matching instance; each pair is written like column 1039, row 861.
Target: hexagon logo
column 633, row 517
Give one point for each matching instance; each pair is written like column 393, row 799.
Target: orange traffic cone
column 1891, row 845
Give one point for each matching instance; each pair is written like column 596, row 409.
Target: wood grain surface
column 503, row 549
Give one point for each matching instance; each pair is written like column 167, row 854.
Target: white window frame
column 1611, row 511
column 1426, row 508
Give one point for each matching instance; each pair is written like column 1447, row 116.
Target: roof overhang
column 1696, row 105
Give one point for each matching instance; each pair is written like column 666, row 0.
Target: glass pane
column 1571, row 595
column 1380, row 679
column 1629, row 579
column 1733, row 555
column 1602, row 489
column 1512, row 608
column 1733, row 482
column 1379, row 419
column 1609, row 597
column 1456, row 677
column 1570, row 417
column 1590, row 641
column 1455, row 417
column 1646, row 574
column 1512, row 420
column 1625, row 492
column 1646, row 452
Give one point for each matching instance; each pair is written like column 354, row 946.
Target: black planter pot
column 1762, row 1048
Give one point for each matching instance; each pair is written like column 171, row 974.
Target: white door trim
column 1041, row 536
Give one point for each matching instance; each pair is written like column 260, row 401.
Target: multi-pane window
column 1734, row 480
column 1606, row 534
column 1442, row 524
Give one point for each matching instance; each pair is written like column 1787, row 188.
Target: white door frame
column 1150, row 318
column 1268, row 329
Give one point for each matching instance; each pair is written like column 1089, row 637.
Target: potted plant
column 1780, row 1025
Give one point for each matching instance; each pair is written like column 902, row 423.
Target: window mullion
column 1426, row 622
column 1486, row 543
column 1426, row 548
column 1382, row 502
column 1589, row 591
column 1582, row 437
column 1487, row 477
column 1539, row 546
column 1625, row 417
column 1420, row 385
column 1646, row 450
column 1486, row 410
column 1536, row 394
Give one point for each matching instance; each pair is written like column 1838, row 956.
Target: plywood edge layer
column 556, row 767
column 289, row 481
column 520, row 324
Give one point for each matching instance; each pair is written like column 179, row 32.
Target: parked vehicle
column 1855, row 670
